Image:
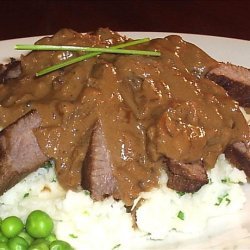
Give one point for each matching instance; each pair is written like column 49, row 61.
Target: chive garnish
column 88, row 49
column 223, row 198
column 180, row 193
column 86, row 192
column 227, row 180
column 116, row 246
column 26, row 195
column 97, row 51
column 181, row 215
column 73, row 236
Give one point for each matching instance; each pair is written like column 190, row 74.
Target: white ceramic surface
column 231, row 231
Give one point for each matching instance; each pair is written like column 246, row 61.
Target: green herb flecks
column 49, row 164
column 86, row 192
column 73, row 236
column 116, row 246
column 223, row 198
column 180, row 193
column 54, row 179
column 97, row 51
column 227, row 180
column 26, row 195
column 86, row 213
column 181, row 215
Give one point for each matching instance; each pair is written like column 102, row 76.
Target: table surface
column 39, row 17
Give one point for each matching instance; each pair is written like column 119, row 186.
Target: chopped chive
column 116, row 246
column 88, row 49
column 219, row 200
column 180, row 193
column 227, row 180
column 53, row 180
column 87, row 56
column 223, row 198
column 73, row 236
column 48, row 164
column 86, row 192
column 26, row 195
column 181, row 215
column 85, row 212
column 228, row 201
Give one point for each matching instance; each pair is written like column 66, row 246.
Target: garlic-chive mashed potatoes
column 89, row 225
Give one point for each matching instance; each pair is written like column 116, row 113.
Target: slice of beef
column 185, row 177
column 239, row 155
column 20, row 153
column 10, row 71
column 97, row 172
column 234, row 79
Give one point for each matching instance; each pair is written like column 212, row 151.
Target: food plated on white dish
column 135, row 144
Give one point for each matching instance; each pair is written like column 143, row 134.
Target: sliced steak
column 10, row 71
column 20, row 153
column 239, row 155
column 97, row 173
column 185, row 177
column 234, row 79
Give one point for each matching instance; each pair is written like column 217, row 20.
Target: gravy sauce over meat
column 150, row 108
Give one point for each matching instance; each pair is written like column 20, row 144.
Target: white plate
column 229, row 232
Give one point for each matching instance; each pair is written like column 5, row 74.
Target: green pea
column 11, row 226
column 26, row 236
column 39, row 244
column 3, row 238
column 51, row 238
column 60, row 245
column 4, row 246
column 17, row 243
column 39, row 224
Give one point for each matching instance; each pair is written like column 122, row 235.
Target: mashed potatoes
column 161, row 214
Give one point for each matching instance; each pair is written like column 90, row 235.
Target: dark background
column 39, row 17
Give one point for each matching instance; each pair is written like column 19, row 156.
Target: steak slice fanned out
column 239, row 155
column 20, row 153
column 234, row 79
column 185, row 177
column 97, row 174
column 10, row 71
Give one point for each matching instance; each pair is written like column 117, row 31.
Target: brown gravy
column 150, row 108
